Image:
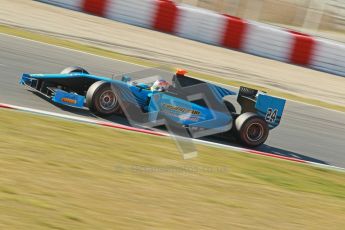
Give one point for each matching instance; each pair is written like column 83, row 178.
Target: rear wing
column 268, row 107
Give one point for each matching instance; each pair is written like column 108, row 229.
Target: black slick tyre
column 251, row 129
column 101, row 99
column 74, row 69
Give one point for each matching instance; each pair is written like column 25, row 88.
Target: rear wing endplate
column 268, row 107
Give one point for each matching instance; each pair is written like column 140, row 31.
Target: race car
column 199, row 107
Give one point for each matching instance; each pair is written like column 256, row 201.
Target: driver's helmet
column 160, row 85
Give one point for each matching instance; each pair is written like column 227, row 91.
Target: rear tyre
column 101, row 99
column 74, row 69
column 251, row 129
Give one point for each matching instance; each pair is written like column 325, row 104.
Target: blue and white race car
column 200, row 108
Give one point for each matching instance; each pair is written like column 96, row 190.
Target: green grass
column 118, row 56
column 57, row 174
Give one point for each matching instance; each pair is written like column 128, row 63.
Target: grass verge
column 110, row 54
column 58, row 174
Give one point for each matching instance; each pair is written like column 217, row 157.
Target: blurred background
column 322, row 17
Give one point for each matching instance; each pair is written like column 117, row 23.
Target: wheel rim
column 108, row 100
column 255, row 132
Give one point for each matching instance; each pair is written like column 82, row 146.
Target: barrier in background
column 69, row 4
column 302, row 49
column 139, row 13
column 329, row 56
column 165, row 16
column 267, row 41
column 233, row 34
column 95, row 7
column 199, row 24
column 221, row 30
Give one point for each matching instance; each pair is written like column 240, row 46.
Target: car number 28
column 271, row 115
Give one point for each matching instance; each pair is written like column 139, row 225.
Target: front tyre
column 74, row 69
column 252, row 130
column 101, row 99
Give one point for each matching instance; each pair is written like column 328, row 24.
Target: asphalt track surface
column 306, row 132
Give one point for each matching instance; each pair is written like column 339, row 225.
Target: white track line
column 144, row 131
column 81, row 119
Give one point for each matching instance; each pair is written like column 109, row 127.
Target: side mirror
column 125, row 78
